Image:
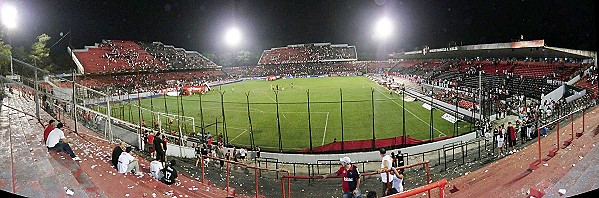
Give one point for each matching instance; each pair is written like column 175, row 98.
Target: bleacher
column 33, row 171
column 308, row 53
column 177, row 58
column 117, row 56
column 151, row 78
column 587, row 84
column 521, row 77
column 113, row 56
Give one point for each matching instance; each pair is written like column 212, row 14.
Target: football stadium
column 344, row 99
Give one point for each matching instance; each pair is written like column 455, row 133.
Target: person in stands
column 169, row 172
column 242, row 154
column 57, row 141
column 386, row 163
column 116, row 153
column 500, row 141
column 151, row 147
column 350, row 178
column 399, row 157
column 159, row 147
column 128, row 163
column 49, row 128
column 198, row 150
column 155, row 169
column 397, row 182
column 512, row 134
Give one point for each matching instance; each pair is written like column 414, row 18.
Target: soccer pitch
column 325, row 113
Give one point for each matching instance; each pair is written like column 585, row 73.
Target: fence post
column 403, row 114
column 152, row 110
column 166, row 110
column 479, row 150
column 462, row 147
column 202, row 163
column 309, row 120
column 202, row 119
column 278, row 124
column 341, row 111
column 372, row 104
column 247, row 99
column 141, row 145
column 36, row 96
column 445, row 159
column 228, row 175
column 74, row 109
column 222, row 105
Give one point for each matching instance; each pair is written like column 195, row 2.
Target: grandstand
column 308, row 53
column 126, row 63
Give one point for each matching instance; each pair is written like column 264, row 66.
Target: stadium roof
column 521, row 49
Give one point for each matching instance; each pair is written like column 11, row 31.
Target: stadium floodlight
column 383, row 28
column 9, row 16
column 233, row 37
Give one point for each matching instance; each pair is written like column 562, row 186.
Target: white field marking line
column 274, row 101
column 325, row 129
column 270, row 112
column 245, row 130
column 409, row 111
column 228, row 109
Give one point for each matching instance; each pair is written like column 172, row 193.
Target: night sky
column 200, row 25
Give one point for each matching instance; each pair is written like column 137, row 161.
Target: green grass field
column 293, row 114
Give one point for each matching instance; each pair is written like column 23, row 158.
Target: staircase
column 581, row 178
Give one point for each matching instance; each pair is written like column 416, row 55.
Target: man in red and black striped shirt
column 351, row 179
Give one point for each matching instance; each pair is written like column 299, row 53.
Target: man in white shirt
column 242, row 153
column 386, row 177
column 128, row 163
column 57, row 141
column 155, row 167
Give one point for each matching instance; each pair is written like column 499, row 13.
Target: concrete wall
column 554, row 95
column 364, row 156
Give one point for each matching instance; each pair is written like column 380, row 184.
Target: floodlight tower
column 9, row 20
column 383, row 29
column 382, row 32
column 233, row 37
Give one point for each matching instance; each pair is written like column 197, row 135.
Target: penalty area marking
column 244, row 130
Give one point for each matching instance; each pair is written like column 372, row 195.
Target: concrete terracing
column 30, row 170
